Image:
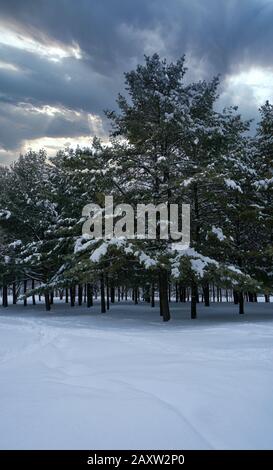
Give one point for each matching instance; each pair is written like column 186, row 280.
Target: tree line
column 168, row 144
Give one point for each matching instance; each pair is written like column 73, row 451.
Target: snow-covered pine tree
column 263, row 154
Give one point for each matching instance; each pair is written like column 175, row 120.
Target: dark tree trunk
column 213, row 292
column 107, row 293
column 25, row 290
column 153, row 295
column 193, row 300
column 118, row 294
column 80, row 292
column 126, row 293
column 147, row 295
column 266, row 298
column 66, row 296
column 163, row 293
column 14, row 293
column 136, row 295
column 160, row 299
column 241, row 303
column 250, row 297
column 89, row 293
column 47, row 301
column 84, row 293
column 182, row 292
column 169, row 292
column 33, row 295
column 206, row 295
column 255, row 297
column 235, row 297
column 102, row 294
column 72, row 296
column 176, row 292
column 112, row 294
column 52, row 297
column 5, row 296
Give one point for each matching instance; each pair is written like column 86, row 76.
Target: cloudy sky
column 62, row 61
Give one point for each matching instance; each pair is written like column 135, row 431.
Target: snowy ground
column 73, row 378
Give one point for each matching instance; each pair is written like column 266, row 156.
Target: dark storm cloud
column 69, row 82
column 225, row 31
column 221, row 36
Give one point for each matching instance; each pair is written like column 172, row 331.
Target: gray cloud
column 219, row 36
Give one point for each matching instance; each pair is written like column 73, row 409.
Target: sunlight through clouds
column 47, row 48
column 258, row 80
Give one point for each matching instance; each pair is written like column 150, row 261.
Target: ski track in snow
column 78, row 379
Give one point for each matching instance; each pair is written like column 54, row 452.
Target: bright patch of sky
column 48, row 49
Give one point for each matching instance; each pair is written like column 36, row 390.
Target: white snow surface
column 77, row 379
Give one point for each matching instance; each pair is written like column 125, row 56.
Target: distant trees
column 168, row 145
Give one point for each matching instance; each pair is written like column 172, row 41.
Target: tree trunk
column 213, row 293
column 33, row 295
column 147, row 295
column 182, row 292
column 72, row 296
column 235, row 297
column 118, row 294
column 25, row 291
column 266, row 298
column 66, row 296
column 102, row 294
column 80, row 292
column 14, row 293
column 206, row 295
column 153, row 295
column 160, row 299
column 176, row 292
column 250, row 297
column 47, row 301
column 89, row 293
column 112, row 294
column 163, row 293
column 107, row 293
column 193, row 299
column 5, row 296
column 241, row 303
column 136, row 295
